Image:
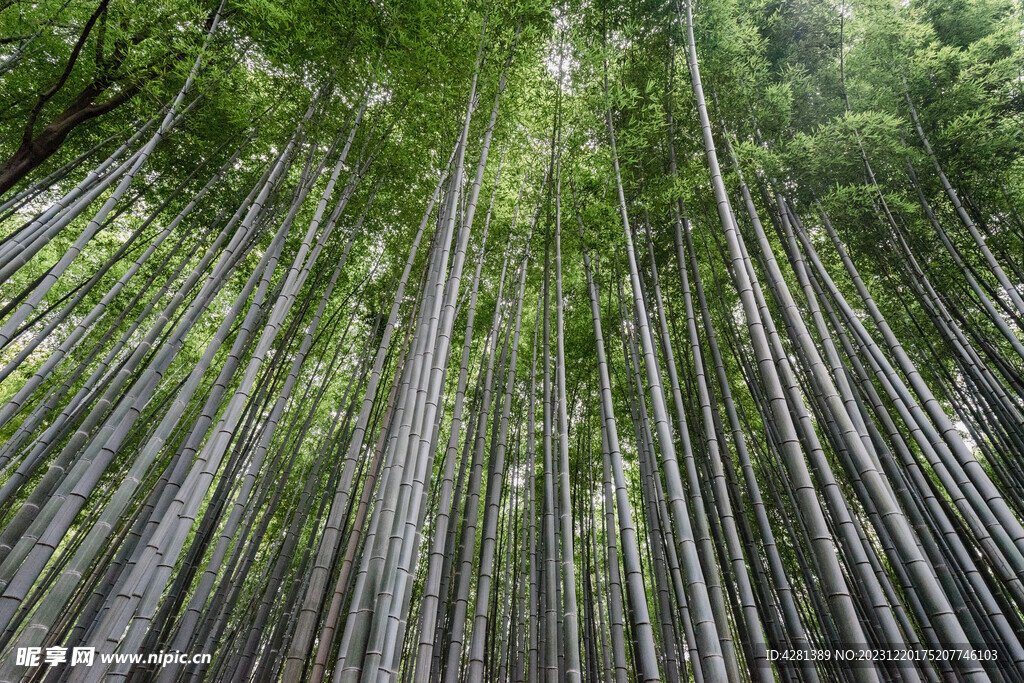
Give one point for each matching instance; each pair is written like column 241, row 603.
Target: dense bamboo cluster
column 579, row 402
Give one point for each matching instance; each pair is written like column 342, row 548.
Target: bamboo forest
column 504, row 341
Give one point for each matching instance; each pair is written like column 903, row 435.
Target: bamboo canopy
column 512, row 341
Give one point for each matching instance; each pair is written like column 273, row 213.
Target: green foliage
column 802, row 92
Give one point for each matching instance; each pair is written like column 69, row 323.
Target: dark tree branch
column 46, row 96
